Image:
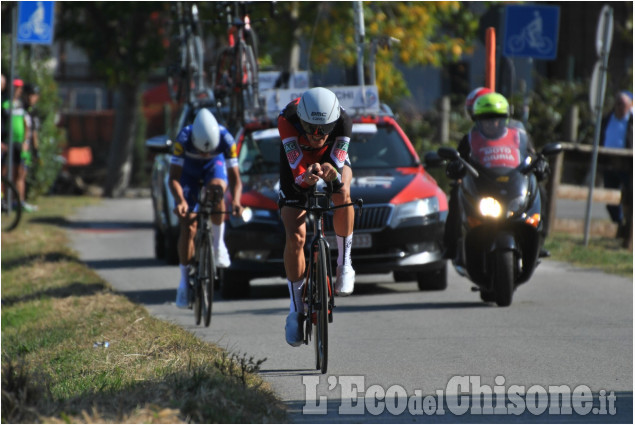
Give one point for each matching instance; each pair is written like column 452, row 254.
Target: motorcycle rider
column 315, row 133
column 495, row 142
column 204, row 151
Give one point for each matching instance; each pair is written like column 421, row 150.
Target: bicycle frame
column 316, row 262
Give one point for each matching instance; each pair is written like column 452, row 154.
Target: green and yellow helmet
column 491, row 105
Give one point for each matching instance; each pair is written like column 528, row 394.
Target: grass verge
column 602, row 253
column 54, row 310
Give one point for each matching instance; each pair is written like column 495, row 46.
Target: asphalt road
column 400, row 355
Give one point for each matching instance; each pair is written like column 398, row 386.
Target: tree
column 124, row 42
column 430, row 33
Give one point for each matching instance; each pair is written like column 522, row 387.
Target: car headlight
column 255, row 215
column 413, row 210
column 490, row 207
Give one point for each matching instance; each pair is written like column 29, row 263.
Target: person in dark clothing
column 617, row 132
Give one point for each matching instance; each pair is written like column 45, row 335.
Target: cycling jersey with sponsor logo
column 297, row 152
column 194, row 163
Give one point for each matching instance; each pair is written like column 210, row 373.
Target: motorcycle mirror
column 551, row 149
column 432, row 160
column 448, row 153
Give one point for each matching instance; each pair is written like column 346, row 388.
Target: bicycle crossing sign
column 35, row 22
column 531, row 31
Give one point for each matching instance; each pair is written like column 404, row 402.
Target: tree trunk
column 121, row 148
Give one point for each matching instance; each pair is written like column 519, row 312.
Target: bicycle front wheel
column 11, row 208
column 321, row 310
column 206, row 274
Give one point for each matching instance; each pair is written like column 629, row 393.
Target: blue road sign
column 531, row 31
column 35, row 22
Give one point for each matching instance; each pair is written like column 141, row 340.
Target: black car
column 401, row 226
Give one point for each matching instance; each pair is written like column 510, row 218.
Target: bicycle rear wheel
column 11, row 208
column 206, row 272
column 249, row 79
column 321, row 310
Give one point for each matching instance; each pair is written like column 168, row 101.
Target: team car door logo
column 293, row 151
column 340, row 150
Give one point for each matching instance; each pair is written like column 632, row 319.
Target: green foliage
column 123, row 40
column 430, row 33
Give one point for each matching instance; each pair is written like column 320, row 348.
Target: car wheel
column 403, row 276
column 435, row 280
column 159, row 243
column 171, row 247
column 234, row 285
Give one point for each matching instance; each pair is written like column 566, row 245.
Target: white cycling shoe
column 221, row 257
column 345, row 281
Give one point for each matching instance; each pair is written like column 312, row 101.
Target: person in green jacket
column 19, row 134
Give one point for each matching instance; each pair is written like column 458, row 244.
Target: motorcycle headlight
column 490, row 207
column 413, row 210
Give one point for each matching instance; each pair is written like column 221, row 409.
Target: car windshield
column 371, row 147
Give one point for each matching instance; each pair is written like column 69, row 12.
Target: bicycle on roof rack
column 236, row 68
column 318, row 292
column 185, row 73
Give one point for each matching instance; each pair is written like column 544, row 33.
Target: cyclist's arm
column 236, row 188
column 174, row 183
column 332, row 168
column 292, row 151
column 176, row 169
column 233, row 171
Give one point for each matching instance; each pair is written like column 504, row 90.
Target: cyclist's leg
column 294, row 264
column 217, row 176
column 185, row 244
column 343, row 222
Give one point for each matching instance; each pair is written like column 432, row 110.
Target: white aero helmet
column 318, row 111
column 205, row 131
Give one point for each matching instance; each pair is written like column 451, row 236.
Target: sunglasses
column 318, row 129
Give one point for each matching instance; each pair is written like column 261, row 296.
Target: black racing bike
column 318, row 290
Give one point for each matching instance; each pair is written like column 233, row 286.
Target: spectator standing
column 17, row 139
column 33, row 123
column 617, row 133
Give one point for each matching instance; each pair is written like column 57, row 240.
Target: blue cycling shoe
column 293, row 329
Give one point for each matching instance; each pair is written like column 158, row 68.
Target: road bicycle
column 11, row 209
column 318, row 292
column 185, row 74
column 202, row 270
column 203, row 273
column 236, row 69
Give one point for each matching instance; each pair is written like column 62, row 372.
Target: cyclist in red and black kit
column 315, row 133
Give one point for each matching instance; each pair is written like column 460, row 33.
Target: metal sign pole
column 606, row 20
column 14, row 50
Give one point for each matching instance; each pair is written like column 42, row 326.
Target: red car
column 401, row 226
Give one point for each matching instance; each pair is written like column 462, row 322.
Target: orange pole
column 490, row 58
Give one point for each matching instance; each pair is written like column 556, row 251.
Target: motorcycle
column 502, row 223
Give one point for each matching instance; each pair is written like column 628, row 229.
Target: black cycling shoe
column 544, row 253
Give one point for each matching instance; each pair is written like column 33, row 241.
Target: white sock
column 295, row 293
column 344, row 244
column 218, row 234
column 184, row 276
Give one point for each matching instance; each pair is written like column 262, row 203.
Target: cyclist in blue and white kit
column 204, row 151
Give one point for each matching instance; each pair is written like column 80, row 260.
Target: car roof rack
column 357, row 100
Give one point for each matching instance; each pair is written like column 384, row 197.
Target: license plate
column 360, row 240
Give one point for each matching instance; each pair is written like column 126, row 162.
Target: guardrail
column 581, row 155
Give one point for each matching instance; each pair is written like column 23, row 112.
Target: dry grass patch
column 56, row 316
